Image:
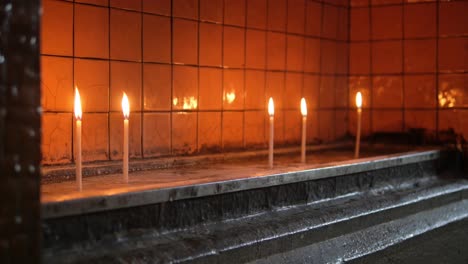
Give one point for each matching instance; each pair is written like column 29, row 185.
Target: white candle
column 78, row 115
column 126, row 114
column 358, row 132
column 304, row 129
column 271, row 112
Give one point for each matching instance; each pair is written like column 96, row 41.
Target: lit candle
column 126, row 114
column 304, row 129
column 78, row 115
column 358, row 133
column 271, row 112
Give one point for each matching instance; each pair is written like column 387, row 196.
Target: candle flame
column 271, row 107
column 78, row 111
column 358, row 100
column 125, row 106
column 303, row 107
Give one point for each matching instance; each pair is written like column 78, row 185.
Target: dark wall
column 20, row 128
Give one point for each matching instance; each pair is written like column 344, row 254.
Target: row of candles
column 271, row 113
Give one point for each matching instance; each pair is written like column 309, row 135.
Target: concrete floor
column 448, row 244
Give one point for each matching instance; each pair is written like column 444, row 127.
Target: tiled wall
column 198, row 73
column 410, row 60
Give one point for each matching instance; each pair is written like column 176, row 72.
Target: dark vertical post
column 20, row 132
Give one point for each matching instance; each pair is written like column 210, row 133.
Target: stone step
column 272, row 217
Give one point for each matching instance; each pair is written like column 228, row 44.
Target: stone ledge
column 238, row 180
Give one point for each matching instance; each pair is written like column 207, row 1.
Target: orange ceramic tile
column 185, row 8
column 128, row 4
column 116, row 136
column 341, row 124
column 293, row 127
column 313, row 18
column 359, row 24
column 453, row 54
column 365, row 122
column 92, row 80
column 95, row 137
column 293, row 90
column 185, row 46
column 125, row 35
column 420, row 119
column 162, row 7
column 156, row 38
column 312, row 127
column 56, row 138
column 386, row 22
column 454, row 119
column 233, row 130
column 275, row 89
column 233, row 89
column 257, row 14
column 125, row 77
column 184, row 133
column 254, row 127
column 296, row 16
column 255, row 49
column 94, row 2
column 385, row 2
column 342, row 58
column 295, row 53
column 185, row 88
column 452, row 18
column 156, row 134
column 211, row 89
column 420, row 91
column 341, row 92
column 277, row 15
column 327, row 92
column 233, row 47
column 326, row 123
column 387, row 57
column 254, row 89
column 234, row 12
column 57, row 83
column 343, row 3
column 57, row 28
column 329, row 26
column 387, row 121
column 329, row 56
column 387, row 92
column 359, row 84
column 311, row 90
column 276, row 48
column 211, row 10
column 210, row 44
column 342, row 32
column 312, row 55
column 209, row 132
column 359, row 58
column 453, row 90
column 91, row 31
column 157, row 86
column 359, row 3
column 420, row 20
column 420, row 56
